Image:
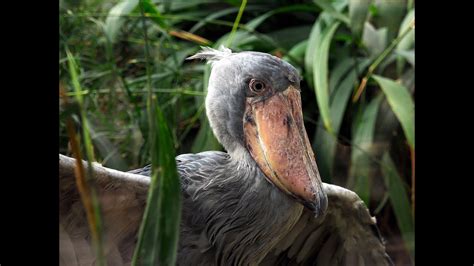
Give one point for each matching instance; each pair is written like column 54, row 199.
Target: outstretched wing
column 122, row 199
column 346, row 235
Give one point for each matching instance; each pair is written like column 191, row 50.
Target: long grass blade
column 358, row 13
column 361, row 164
column 406, row 43
column 159, row 231
column 224, row 12
column 296, row 54
column 320, row 73
column 390, row 14
column 236, row 23
column 375, row 40
column 123, row 9
column 150, row 11
column 325, row 142
column 116, row 17
column 400, row 203
column 330, row 9
column 402, row 105
column 85, row 180
column 254, row 23
column 339, row 72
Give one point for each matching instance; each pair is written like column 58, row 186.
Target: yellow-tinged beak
column 276, row 138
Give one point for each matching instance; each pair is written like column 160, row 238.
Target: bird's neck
column 254, row 216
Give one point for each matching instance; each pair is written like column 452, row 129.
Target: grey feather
column 211, row 55
column 231, row 218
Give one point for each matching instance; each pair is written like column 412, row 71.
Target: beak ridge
column 276, row 138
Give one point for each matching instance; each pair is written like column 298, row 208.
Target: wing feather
column 346, row 235
column 122, row 198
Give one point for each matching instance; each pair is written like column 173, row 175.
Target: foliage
column 356, row 57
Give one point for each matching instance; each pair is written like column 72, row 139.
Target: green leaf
column 373, row 10
column 236, row 22
column 320, row 72
column 284, row 39
column 119, row 13
column 296, row 54
column 400, row 202
column 406, row 43
column 342, row 93
column 362, row 164
column 374, row 39
column 390, row 14
column 169, row 193
column 290, row 36
column 180, row 6
column 254, row 23
column 339, row 71
column 313, row 42
column 409, row 40
column 330, row 9
column 116, row 17
column 73, row 71
column 358, row 13
column 150, row 10
column 159, row 231
column 325, row 142
column 158, row 234
column 106, row 149
column 213, row 16
column 94, row 214
column 402, row 105
column 298, row 50
column 407, row 55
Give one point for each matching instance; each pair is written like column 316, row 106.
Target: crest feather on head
column 211, row 55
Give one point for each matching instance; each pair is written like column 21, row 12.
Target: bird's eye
column 256, row 86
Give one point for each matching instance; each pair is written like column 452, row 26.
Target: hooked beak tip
column 319, row 206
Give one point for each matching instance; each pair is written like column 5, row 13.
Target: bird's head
column 254, row 106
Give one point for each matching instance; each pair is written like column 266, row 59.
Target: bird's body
column 256, row 224
column 239, row 230
column 260, row 203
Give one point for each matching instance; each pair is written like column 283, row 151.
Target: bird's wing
column 122, row 198
column 346, row 235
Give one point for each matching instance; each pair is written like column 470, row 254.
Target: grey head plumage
column 241, row 115
column 227, row 87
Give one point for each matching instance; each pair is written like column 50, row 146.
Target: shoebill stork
column 260, row 203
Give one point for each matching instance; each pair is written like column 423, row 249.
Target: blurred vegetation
column 356, row 56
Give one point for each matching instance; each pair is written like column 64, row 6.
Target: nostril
column 249, row 119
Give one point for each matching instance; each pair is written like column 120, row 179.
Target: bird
column 261, row 202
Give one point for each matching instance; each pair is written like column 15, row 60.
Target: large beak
column 276, row 138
